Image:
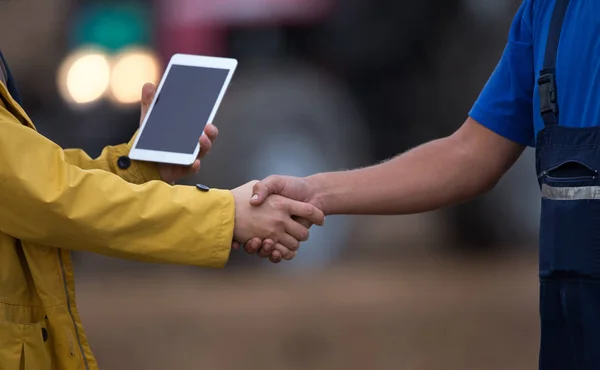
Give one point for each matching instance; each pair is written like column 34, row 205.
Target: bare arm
column 436, row 174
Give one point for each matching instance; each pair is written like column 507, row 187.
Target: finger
column 282, row 253
column 267, row 244
column 307, row 211
column 287, row 256
column 212, row 132
column 148, row 91
column 266, row 187
column 235, row 246
column 276, row 256
column 177, row 173
column 266, row 248
column 289, row 242
column 282, row 250
column 296, row 230
column 195, row 167
column 253, row 245
column 249, row 249
column 290, row 256
column 302, row 221
column 205, row 146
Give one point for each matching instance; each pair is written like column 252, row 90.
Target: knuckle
column 277, row 203
column 266, row 248
column 266, row 182
column 308, row 209
column 274, row 178
column 279, row 224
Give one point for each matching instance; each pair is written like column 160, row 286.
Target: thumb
column 148, row 91
column 266, row 187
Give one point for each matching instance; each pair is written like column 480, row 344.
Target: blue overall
column 567, row 164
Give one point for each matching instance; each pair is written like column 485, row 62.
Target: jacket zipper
column 64, row 276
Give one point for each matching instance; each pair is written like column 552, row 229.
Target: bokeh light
column 130, row 71
column 84, row 76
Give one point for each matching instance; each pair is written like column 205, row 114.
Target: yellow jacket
column 54, row 201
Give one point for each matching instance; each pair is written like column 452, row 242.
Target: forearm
column 437, row 174
column 47, row 201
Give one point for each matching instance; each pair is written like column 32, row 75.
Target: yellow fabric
column 53, row 201
column 138, row 173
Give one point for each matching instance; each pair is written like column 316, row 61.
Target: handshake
column 273, row 216
column 271, row 225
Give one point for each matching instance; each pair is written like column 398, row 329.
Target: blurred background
column 321, row 85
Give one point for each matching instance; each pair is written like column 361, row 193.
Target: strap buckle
column 547, row 91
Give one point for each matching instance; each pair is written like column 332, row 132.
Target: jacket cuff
column 223, row 240
column 137, row 172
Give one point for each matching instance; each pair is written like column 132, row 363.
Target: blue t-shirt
column 509, row 103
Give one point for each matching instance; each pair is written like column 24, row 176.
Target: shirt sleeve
column 505, row 104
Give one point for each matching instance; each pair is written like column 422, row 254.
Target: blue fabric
column 10, row 83
column 509, row 102
column 569, row 253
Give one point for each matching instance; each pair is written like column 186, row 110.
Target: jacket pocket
column 25, row 347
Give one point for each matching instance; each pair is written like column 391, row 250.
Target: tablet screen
column 182, row 109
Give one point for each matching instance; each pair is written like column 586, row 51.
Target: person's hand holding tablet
column 171, row 173
column 186, row 100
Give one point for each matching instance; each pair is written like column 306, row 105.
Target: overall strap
column 10, row 82
column 547, row 80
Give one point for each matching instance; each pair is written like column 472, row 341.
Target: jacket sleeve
column 115, row 159
column 48, row 201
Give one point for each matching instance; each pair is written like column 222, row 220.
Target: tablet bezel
column 192, row 61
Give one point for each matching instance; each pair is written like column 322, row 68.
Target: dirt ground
column 422, row 314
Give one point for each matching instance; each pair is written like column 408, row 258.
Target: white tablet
column 186, row 100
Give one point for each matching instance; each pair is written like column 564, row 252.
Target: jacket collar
column 3, row 76
column 9, row 80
